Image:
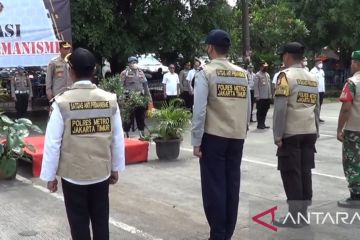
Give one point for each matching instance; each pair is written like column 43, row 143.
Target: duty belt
column 21, row 92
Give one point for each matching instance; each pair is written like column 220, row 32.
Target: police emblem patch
column 282, row 86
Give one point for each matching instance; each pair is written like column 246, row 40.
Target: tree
column 273, row 25
column 331, row 23
column 116, row 29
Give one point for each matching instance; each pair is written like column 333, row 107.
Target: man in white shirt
column 319, row 73
column 191, row 75
column 171, row 84
column 84, row 145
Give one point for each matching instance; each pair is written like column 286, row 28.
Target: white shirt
column 274, row 81
column 191, row 74
column 53, row 139
column 320, row 77
column 251, row 76
column 172, row 81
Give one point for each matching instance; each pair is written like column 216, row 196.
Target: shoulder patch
column 282, row 86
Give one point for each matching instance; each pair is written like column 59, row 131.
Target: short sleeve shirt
column 348, row 92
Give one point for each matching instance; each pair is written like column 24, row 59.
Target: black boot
column 295, row 209
column 352, row 202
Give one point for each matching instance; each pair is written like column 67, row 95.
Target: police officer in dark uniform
column 220, row 119
column 296, row 127
column 21, row 91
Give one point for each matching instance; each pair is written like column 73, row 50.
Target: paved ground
column 162, row 200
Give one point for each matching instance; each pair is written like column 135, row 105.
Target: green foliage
column 132, row 101
column 116, row 29
column 128, row 101
column 113, row 85
column 171, row 120
column 331, row 23
column 273, row 25
column 13, row 133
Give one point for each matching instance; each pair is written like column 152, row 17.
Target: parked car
column 152, row 67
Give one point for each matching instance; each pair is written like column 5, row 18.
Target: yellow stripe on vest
column 309, row 98
column 89, row 105
column 230, row 73
column 231, row 90
column 90, row 125
column 307, row 83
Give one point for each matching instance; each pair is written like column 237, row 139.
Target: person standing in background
column 57, row 75
column 185, row 86
column 263, row 95
column 319, row 74
column 251, row 76
column 21, row 91
column 171, row 84
column 134, row 80
column 191, row 75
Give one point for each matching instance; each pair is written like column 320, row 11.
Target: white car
column 106, row 68
column 151, row 66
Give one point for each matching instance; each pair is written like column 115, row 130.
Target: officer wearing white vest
column 295, row 129
column 220, row 119
column 84, row 145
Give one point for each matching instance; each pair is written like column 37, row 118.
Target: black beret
column 81, row 59
column 292, row 47
column 218, row 37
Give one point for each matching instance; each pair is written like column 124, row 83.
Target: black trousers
column 169, row 98
column 321, row 97
column 295, row 161
column 21, row 104
column 85, row 203
column 188, row 99
column 137, row 115
column 220, row 183
column 262, row 107
column 252, row 102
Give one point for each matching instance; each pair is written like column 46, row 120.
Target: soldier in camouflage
column 349, row 133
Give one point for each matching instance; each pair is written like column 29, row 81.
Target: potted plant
column 128, row 101
column 170, row 122
column 12, row 134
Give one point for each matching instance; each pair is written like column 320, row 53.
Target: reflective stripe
column 21, row 92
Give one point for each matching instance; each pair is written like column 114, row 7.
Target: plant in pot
column 12, row 134
column 171, row 121
column 128, row 101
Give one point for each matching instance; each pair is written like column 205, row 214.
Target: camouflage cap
column 356, row 55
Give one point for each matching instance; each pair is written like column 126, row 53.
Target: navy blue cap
column 218, row 37
column 132, row 59
column 292, row 47
column 81, row 59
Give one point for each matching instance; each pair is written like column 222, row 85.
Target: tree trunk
column 116, row 64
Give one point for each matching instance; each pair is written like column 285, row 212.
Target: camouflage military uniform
column 351, row 146
column 351, row 160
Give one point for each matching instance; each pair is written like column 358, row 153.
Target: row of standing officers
column 86, row 116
